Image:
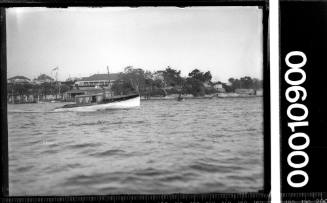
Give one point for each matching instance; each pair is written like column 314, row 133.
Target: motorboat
column 97, row 102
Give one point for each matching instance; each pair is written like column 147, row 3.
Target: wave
column 150, row 172
column 24, row 168
column 102, row 122
column 178, row 177
column 161, row 149
column 110, row 152
column 91, row 179
column 99, row 122
column 212, row 168
column 84, row 145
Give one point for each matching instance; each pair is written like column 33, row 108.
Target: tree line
column 146, row 83
column 169, row 81
column 41, row 90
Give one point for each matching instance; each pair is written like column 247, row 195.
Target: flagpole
column 56, row 69
column 58, row 82
column 109, row 85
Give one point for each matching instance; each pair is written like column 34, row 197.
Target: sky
column 227, row 41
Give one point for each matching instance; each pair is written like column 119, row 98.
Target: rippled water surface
column 165, row 146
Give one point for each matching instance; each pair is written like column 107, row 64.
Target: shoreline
column 157, row 98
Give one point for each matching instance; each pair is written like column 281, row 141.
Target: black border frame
column 261, row 195
column 309, row 16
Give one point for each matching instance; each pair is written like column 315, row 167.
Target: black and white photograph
column 143, row 100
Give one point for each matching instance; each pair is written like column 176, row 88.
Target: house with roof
column 97, row 80
column 19, row 79
column 43, row 78
column 18, row 90
column 219, row 87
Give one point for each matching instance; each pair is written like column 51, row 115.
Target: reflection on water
column 165, row 146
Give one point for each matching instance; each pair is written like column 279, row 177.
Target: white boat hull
column 125, row 104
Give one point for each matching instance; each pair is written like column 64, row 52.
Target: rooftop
column 18, row 77
column 44, row 77
column 95, row 77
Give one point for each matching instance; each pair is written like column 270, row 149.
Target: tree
column 134, row 79
column 121, row 87
column 195, row 74
column 207, row 77
column 194, row 86
column 171, row 77
column 135, row 76
column 246, row 82
column 195, row 83
column 203, row 77
column 257, row 84
column 64, row 88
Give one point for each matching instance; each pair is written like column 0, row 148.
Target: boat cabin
column 89, row 99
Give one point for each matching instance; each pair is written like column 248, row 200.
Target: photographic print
column 146, row 100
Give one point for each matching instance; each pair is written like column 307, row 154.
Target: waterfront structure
column 71, row 94
column 16, row 86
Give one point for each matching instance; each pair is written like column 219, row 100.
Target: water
column 165, row 146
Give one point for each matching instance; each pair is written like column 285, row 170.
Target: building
column 219, row 87
column 96, row 80
column 19, row 79
column 71, row 94
column 43, row 78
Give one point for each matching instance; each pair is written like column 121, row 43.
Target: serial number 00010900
column 295, row 94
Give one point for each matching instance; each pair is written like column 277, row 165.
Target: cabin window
column 94, row 99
